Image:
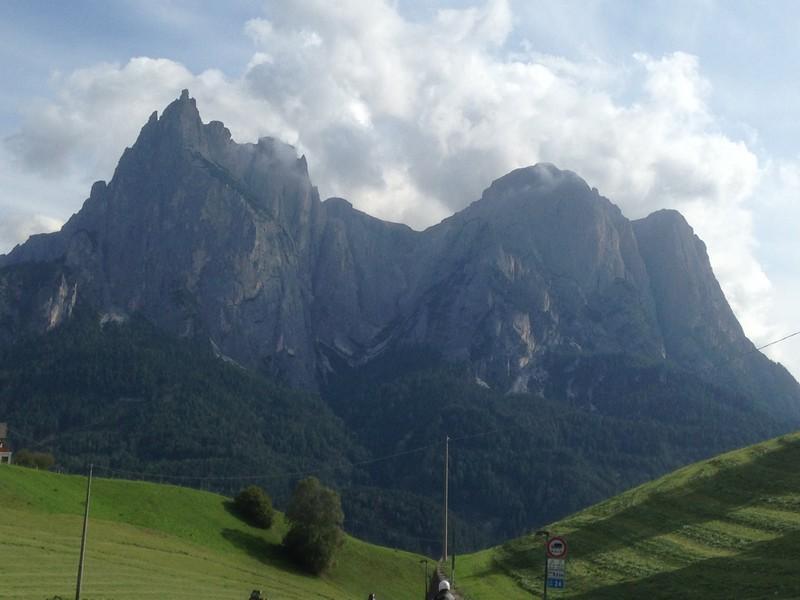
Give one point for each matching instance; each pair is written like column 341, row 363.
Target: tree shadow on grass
column 707, row 498
column 262, row 550
column 256, row 546
column 765, row 570
column 230, row 508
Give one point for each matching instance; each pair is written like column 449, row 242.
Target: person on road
column 444, row 591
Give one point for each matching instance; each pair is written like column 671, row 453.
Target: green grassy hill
column 726, row 528
column 160, row 541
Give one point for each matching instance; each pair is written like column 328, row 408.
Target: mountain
column 201, row 235
column 723, row 528
column 598, row 352
column 227, row 241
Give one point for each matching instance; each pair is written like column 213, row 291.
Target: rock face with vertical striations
column 203, row 236
column 230, row 243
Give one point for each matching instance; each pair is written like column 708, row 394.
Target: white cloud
column 99, row 110
column 95, row 113
column 674, row 82
column 775, row 210
column 410, row 120
column 16, row 227
column 784, row 311
column 31, row 204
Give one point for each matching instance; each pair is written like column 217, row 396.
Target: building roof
column 3, row 430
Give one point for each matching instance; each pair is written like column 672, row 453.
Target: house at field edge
column 5, row 450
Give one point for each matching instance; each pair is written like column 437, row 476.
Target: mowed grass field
column 166, row 542
column 727, row 528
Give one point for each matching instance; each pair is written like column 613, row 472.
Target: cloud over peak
column 412, row 119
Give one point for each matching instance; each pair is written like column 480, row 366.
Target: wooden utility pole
column 546, row 535
column 453, row 559
column 83, row 537
column 446, row 475
column 427, row 581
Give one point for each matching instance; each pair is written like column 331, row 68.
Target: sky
column 410, row 109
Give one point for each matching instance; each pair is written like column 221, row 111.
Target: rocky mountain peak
column 180, row 132
column 218, row 134
column 539, row 181
column 181, row 121
column 230, row 241
column 695, row 316
column 543, row 202
column 183, row 109
column 336, row 205
column 668, row 222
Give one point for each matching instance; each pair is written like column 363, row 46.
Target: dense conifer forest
column 138, row 403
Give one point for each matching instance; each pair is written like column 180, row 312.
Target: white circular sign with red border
column 556, row 547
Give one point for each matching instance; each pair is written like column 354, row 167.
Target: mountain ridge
column 231, row 241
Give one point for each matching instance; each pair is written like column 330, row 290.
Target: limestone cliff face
column 696, row 320
column 34, row 299
column 230, row 242
column 204, row 236
column 363, row 280
column 540, row 263
column 698, row 326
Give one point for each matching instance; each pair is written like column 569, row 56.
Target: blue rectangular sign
column 555, row 583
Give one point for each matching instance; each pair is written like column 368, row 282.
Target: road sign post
column 556, row 572
column 556, row 564
column 556, row 547
column 546, row 535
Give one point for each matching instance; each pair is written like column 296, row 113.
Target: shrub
column 33, row 460
column 315, row 534
column 255, row 506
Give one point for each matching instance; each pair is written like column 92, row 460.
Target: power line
column 784, row 338
column 755, row 349
column 298, row 473
column 484, row 433
column 41, row 442
column 304, row 472
column 403, row 453
column 288, row 475
column 262, row 476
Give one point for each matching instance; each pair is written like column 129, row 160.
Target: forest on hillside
column 139, row 404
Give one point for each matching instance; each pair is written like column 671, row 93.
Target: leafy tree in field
column 255, row 506
column 34, row 460
column 316, row 518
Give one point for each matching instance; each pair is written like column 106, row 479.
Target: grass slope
column 724, row 528
column 160, row 541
